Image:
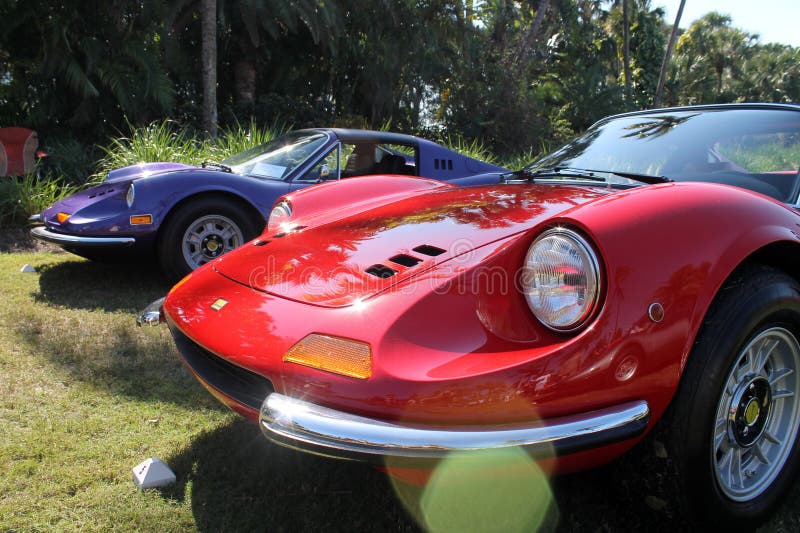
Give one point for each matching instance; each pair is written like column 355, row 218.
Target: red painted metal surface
column 453, row 339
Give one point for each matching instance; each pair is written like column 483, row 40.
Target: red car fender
column 675, row 245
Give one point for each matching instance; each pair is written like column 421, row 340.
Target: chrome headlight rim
column 593, row 270
column 130, row 195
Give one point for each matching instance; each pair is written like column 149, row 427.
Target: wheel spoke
column 730, row 467
column 720, row 431
column 759, row 454
column 782, row 394
column 772, row 438
column 763, row 354
column 736, row 475
column 742, row 370
column 777, row 375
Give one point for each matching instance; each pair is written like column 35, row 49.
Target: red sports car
column 645, row 273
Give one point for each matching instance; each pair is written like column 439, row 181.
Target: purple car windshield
column 277, row 159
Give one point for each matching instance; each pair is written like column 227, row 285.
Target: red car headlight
column 280, row 215
column 561, row 279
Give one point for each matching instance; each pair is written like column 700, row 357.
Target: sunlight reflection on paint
column 502, row 490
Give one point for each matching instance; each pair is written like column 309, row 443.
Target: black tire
column 230, row 224
column 730, row 404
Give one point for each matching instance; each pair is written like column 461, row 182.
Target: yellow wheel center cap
column 212, row 246
column 752, row 412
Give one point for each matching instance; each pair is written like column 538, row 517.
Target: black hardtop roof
column 356, row 135
column 705, row 107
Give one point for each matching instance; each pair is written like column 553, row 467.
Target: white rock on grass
column 152, row 473
column 27, row 268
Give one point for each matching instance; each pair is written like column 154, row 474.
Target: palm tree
column 667, row 55
column 209, row 62
column 102, row 66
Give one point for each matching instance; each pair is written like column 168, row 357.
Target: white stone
column 27, row 268
column 151, row 473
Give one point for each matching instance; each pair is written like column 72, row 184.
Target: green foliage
column 473, row 148
column 168, row 141
column 513, row 75
column 21, row 197
column 238, row 139
column 159, row 141
column 767, row 157
column 69, row 159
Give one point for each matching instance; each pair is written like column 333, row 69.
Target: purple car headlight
column 130, row 196
column 561, row 279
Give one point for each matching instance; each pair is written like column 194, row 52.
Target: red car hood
column 345, row 261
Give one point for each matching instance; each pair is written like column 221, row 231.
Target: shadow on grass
column 118, row 357
column 91, row 285
column 239, row 481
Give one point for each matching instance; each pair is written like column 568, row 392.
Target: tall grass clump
column 475, row 148
column 21, row 197
column 167, row 141
column 238, row 139
column 159, row 141
column 522, row 159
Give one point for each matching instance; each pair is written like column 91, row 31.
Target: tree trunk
column 245, row 73
column 626, row 50
column 209, row 62
column 667, row 55
column 533, row 32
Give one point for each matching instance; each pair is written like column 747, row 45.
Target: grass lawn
column 85, row 395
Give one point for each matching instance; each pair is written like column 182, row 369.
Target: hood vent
column 427, row 249
column 381, row 271
column 101, row 193
column 405, row 260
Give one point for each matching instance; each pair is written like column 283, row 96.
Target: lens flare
column 498, row 490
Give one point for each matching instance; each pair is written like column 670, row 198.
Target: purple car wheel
column 209, row 237
column 202, row 230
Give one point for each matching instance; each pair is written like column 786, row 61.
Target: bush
column 29, row 194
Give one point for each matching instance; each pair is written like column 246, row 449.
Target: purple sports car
column 187, row 215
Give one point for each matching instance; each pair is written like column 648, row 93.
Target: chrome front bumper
column 323, row 431
column 62, row 239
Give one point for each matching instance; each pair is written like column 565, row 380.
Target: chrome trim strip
column 35, row 218
column 62, row 239
column 310, row 427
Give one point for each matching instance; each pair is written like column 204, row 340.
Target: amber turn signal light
column 62, row 217
column 141, row 219
column 333, row 354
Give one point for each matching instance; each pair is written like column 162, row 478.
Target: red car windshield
column 753, row 148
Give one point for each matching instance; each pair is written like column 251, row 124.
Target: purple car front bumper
column 63, row 239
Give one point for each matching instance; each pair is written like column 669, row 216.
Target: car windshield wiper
column 644, row 178
column 552, row 172
column 218, row 166
column 585, row 174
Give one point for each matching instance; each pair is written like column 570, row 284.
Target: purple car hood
column 143, row 170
